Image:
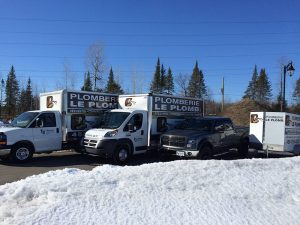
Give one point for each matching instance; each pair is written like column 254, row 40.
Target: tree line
column 18, row 99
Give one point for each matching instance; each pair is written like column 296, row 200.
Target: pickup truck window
column 24, row 119
column 200, row 125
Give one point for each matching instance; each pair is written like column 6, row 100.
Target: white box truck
column 136, row 126
column 275, row 131
column 61, row 122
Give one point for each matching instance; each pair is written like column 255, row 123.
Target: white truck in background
column 61, row 122
column 275, row 131
column 137, row 125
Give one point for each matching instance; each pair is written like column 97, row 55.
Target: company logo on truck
column 78, row 102
column 129, row 102
column 50, row 102
column 164, row 103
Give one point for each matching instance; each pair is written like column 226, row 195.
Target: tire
column 243, row 149
column 121, row 154
column 205, row 153
column 21, row 153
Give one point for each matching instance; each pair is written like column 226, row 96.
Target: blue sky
column 226, row 37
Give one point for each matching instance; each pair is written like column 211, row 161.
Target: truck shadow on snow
column 69, row 159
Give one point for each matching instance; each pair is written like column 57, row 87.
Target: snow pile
column 181, row 192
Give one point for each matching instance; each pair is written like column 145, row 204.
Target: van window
column 78, row 122
column 161, row 124
column 45, row 120
column 136, row 121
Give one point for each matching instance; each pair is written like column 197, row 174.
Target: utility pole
column 280, row 96
column 222, row 91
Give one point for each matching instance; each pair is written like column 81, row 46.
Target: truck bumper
column 181, row 152
column 105, row 148
column 4, row 151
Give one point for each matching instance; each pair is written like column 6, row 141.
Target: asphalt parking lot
column 41, row 163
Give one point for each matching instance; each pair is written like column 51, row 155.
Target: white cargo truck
column 61, row 122
column 275, row 131
column 137, row 125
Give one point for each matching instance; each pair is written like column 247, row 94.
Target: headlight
column 3, row 139
column 191, row 143
column 111, row 133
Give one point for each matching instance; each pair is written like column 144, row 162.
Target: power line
column 150, row 57
column 147, row 35
column 147, row 45
column 139, row 21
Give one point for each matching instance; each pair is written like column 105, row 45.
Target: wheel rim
column 123, row 154
column 22, row 153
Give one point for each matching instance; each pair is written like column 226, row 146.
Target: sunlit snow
column 252, row 191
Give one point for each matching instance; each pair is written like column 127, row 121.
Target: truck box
column 275, row 131
column 61, row 122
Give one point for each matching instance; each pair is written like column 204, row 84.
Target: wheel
column 205, row 153
column 122, row 154
column 243, row 149
column 21, row 153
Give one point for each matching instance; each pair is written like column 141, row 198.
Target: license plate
column 179, row 153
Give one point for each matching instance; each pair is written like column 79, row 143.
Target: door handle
column 142, row 132
column 57, row 130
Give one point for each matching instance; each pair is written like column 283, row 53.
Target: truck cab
column 121, row 134
column 31, row 132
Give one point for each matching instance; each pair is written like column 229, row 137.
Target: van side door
column 46, row 132
column 136, row 130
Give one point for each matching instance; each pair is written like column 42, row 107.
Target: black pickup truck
column 205, row 137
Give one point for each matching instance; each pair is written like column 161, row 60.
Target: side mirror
column 38, row 122
column 130, row 127
column 219, row 129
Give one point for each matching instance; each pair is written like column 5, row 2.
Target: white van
column 137, row 125
column 61, row 122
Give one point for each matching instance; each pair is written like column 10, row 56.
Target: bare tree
column 96, row 64
column 182, row 82
column 137, row 81
column 70, row 76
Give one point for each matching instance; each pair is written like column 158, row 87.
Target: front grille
column 173, row 141
column 90, row 143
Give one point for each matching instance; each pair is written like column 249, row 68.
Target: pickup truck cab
column 204, row 137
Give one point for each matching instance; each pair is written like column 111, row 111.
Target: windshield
column 201, row 125
column 24, row 119
column 113, row 120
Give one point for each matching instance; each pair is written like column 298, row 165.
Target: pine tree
column 264, row 90
column 112, row 86
column 251, row 89
column 162, row 79
column 169, row 86
column 87, row 83
column 197, row 87
column 12, row 93
column 155, row 85
column 296, row 93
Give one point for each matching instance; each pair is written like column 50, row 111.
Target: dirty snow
column 257, row 191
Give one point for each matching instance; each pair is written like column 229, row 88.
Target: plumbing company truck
column 275, row 131
column 61, row 122
column 136, row 126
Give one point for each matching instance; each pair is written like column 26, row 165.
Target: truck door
column 136, row 130
column 46, row 132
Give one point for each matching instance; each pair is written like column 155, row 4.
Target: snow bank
column 259, row 191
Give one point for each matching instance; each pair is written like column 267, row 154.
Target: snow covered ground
column 258, row 191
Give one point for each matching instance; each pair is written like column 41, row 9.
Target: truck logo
column 50, row 102
column 254, row 118
column 129, row 102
